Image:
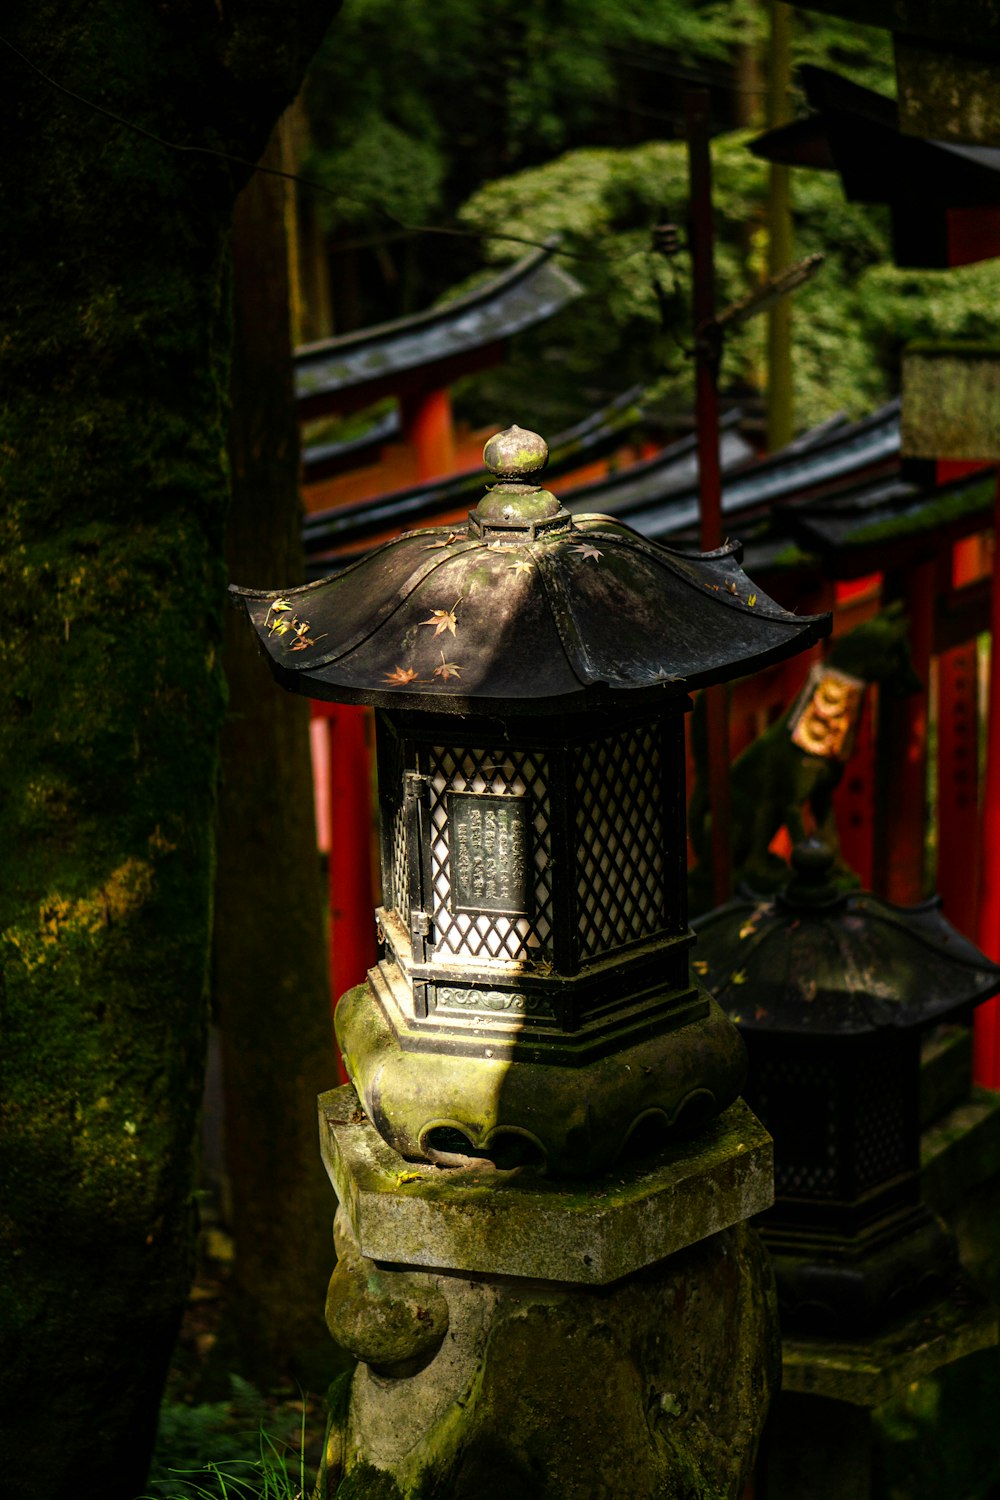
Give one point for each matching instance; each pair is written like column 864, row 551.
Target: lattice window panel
column 505, row 773
column 797, row 1103
column 400, row 883
column 880, row 1125
column 395, row 876
column 620, row 832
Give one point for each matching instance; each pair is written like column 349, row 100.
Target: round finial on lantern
column 515, row 452
column 812, row 883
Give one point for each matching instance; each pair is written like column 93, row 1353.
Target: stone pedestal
column 819, row 1436
column 845, row 1404
column 517, row 1337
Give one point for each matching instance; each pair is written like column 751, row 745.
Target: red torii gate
column 944, row 201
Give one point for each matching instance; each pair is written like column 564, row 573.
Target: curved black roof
column 369, row 361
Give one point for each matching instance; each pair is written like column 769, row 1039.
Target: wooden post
column 902, row 753
column 985, row 1069
column 780, row 410
column 854, row 802
column 351, row 896
column 431, row 431
column 709, row 471
column 958, row 786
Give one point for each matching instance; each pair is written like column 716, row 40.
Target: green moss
column 793, row 557
column 953, row 507
column 953, row 348
column 365, row 1482
column 114, row 333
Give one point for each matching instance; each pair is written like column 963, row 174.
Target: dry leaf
column 447, row 669
column 752, row 600
column 442, row 620
column 586, row 550
column 401, row 676
column 521, row 566
column 451, row 537
column 700, row 965
column 739, row 976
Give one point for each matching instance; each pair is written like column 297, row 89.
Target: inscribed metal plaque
column 491, row 863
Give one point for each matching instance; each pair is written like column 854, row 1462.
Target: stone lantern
column 530, row 673
column 532, row 1020
column 833, row 994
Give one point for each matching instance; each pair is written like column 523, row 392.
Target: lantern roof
column 818, row 961
column 524, row 610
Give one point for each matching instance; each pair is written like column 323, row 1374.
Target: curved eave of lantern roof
column 574, row 614
column 849, row 965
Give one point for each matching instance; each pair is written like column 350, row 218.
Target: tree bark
column 271, row 986
column 113, row 364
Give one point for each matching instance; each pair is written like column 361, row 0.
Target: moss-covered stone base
column 656, row 1386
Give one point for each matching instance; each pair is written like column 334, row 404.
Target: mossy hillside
column 849, row 323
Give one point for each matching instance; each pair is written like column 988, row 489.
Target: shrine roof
column 855, row 131
column 372, row 358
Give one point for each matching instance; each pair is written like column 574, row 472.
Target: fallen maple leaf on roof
column 447, row 669
column 442, row 620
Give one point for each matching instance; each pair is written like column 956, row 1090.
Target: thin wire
column 318, row 187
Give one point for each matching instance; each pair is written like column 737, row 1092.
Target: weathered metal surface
column 672, row 471
column 829, row 990
column 524, row 615
column 820, row 962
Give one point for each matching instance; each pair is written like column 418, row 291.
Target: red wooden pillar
column 854, row 802
column 958, row 786
column 430, row 429
column 902, row 753
column 985, row 1068
column 348, row 795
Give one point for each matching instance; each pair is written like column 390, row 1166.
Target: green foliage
column 864, row 53
column 937, row 1437
column 411, row 106
column 257, row 1453
column 849, row 324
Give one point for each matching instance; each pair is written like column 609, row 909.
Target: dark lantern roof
column 525, row 610
column 812, row 961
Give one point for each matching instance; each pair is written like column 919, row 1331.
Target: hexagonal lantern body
column 832, row 993
column 530, row 673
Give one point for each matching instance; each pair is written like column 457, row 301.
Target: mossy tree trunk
column 113, row 367
column 271, row 982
